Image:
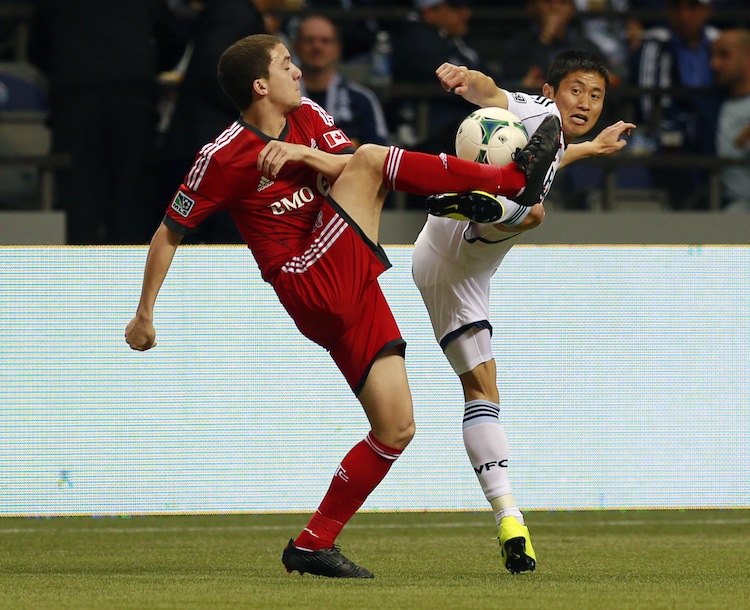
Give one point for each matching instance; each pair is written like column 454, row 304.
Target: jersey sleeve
column 203, row 193
column 328, row 137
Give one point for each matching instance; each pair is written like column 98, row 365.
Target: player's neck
column 266, row 119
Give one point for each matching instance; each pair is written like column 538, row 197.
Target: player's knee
column 408, row 433
column 370, row 155
column 397, row 433
column 402, row 434
column 536, row 215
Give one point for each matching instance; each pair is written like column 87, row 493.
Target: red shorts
column 331, row 291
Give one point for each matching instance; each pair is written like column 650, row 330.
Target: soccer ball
column 490, row 135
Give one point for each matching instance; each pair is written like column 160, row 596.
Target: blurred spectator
column 357, row 35
column 202, row 109
column 730, row 61
column 554, row 28
column 435, row 34
column 15, row 15
column 355, row 108
column 678, row 56
column 102, row 61
column 607, row 25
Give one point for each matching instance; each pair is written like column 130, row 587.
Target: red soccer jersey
column 274, row 216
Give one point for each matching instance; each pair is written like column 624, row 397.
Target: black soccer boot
column 535, row 159
column 325, row 562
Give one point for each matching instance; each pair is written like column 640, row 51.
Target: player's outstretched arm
column 276, row 154
column 140, row 333
column 473, row 85
column 608, row 141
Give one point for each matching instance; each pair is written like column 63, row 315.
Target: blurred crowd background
column 104, row 103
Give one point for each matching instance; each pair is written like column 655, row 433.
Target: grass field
column 679, row 560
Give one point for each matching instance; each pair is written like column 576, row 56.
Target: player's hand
column 276, row 154
column 609, row 139
column 140, row 334
column 454, row 79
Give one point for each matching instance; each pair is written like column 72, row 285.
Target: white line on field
column 377, row 526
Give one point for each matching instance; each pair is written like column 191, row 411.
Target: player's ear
column 548, row 91
column 260, row 87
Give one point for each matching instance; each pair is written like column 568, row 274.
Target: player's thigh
column 359, row 190
column 453, row 298
column 386, row 399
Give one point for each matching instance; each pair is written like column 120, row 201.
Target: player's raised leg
column 534, row 161
column 373, row 170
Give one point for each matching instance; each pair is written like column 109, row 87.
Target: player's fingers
column 262, row 158
column 276, row 162
column 269, row 161
column 444, row 69
column 622, row 126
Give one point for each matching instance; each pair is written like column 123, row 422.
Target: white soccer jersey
column 532, row 110
column 454, row 260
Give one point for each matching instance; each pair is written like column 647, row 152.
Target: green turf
column 679, row 560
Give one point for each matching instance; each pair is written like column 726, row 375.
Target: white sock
column 488, row 450
column 505, row 506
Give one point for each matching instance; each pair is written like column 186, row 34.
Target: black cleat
column 515, row 546
column 536, row 158
column 474, row 205
column 517, row 558
column 325, row 562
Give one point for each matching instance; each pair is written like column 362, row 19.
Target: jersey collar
column 265, row 137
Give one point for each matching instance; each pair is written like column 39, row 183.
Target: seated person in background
column 730, row 61
column 553, row 29
column 431, row 36
column 612, row 33
column 673, row 57
column 355, row 108
column 356, row 34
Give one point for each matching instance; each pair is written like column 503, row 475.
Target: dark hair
column 242, row 64
column 576, row 61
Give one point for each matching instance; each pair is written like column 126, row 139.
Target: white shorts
column 452, row 265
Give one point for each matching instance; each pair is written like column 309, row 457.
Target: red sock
column 358, row 474
column 423, row 174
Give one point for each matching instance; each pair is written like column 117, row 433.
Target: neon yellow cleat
column 515, row 546
column 476, row 206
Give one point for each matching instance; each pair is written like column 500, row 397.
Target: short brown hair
column 242, row 64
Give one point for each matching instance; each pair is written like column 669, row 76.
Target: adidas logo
column 264, row 183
